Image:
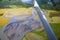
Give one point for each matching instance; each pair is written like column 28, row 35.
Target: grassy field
column 56, row 28
column 15, row 11
column 40, row 33
column 55, row 22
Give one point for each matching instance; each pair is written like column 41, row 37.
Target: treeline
column 17, row 3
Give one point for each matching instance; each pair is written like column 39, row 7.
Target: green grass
column 56, row 29
column 53, row 13
column 54, row 26
column 41, row 33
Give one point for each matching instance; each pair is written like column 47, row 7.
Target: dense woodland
column 43, row 4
